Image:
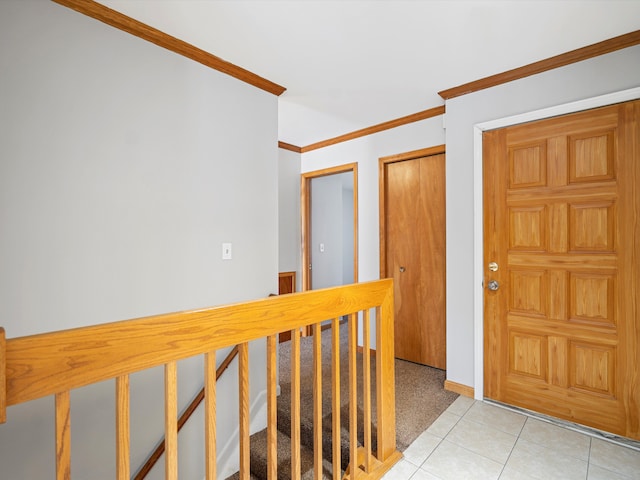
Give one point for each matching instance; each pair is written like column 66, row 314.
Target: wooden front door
column 413, row 225
column 562, row 225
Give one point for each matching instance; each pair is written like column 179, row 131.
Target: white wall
column 123, row 168
column 289, row 239
column 609, row 73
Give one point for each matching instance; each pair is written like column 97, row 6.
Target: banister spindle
column 171, row 420
column 243, row 400
column 122, row 428
column 63, row 436
column 210, row 414
column 366, row 387
column 385, row 379
column 353, row 395
column 335, row 399
column 317, row 400
column 295, row 405
column 272, row 407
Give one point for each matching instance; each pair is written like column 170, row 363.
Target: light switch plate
column 226, row 251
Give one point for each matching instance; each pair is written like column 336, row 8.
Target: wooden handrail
column 195, row 403
column 57, row 362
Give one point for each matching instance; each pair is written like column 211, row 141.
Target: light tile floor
column 476, row 440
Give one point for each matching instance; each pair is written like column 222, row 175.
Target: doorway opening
column 329, row 199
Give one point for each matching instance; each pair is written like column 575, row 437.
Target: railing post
column 3, row 377
column 385, row 377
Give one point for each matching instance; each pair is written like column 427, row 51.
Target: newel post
column 385, row 381
column 3, row 376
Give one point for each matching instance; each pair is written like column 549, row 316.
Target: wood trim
column 382, row 206
column 415, row 117
column 464, row 390
column 305, row 212
column 288, row 146
column 134, row 27
column 578, row 55
column 292, row 276
column 423, row 152
column 3, row 377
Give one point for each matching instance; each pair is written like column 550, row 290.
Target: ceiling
column 352, row 64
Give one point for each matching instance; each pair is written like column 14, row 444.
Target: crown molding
column 134, row 27
column 584, row 53
column 415, row 117
column 288, row 146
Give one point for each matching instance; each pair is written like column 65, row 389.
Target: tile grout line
column 589, row 458
column 439, row 443
column 513, row 448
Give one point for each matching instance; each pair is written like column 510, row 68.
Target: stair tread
column 259, row 458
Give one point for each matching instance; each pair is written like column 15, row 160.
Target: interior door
column 414, row 255
column 562, row 267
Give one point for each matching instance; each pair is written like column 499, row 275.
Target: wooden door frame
column 382, row 180
column 305, row 211
column 478, row 214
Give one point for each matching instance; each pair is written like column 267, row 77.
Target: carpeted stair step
column 306, row 428
column 236, row 476
column 258, row 457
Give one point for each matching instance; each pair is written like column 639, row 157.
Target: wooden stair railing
column 56, row 363
column 195, row 403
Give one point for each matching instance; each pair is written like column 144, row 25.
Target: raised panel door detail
column 592, row 227
column 561, row 332
column 529, row 292
column 528, row 228
column 528, row 165
column 558, row 359
column 591, row 157
column 528, row 354
column 592, row 298
column 558, row 295
column 592, row 368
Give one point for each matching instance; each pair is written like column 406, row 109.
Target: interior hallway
column 477, row 440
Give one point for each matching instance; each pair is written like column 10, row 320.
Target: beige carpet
column 420, row 396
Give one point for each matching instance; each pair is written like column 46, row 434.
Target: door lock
column 493, row 267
